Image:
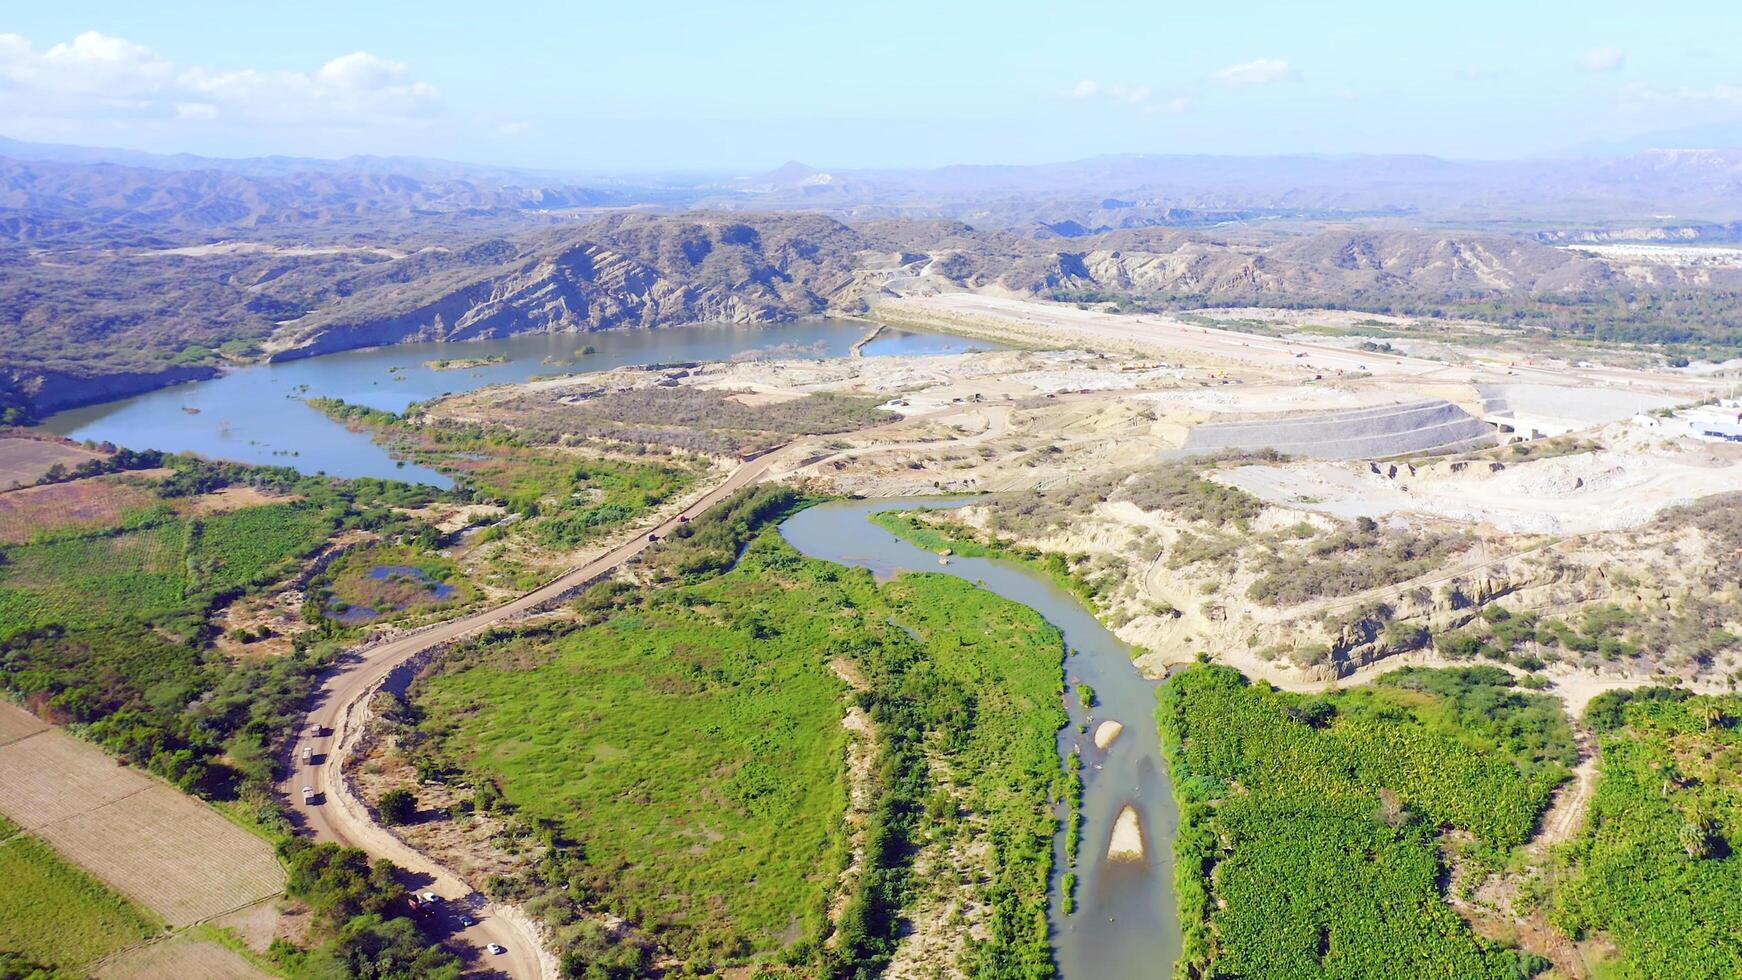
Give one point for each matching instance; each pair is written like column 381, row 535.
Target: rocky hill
column 625, row 271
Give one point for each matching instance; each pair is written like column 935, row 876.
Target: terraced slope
column 1367, row 433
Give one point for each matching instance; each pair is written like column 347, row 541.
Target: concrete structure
column 1713, row 423
column 1370, row 433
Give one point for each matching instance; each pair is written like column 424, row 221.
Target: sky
column 723, row 87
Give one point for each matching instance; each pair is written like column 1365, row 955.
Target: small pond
column 353, row 614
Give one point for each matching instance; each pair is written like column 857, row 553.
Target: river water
column 256, row 414
column 1126, row 923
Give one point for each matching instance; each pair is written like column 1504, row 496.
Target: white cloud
column 1130, row 95
column 361, row 71
column 1260, row 72
column 99, row 77
column 1603, row 59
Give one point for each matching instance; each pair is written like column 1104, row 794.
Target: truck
column 308, row 794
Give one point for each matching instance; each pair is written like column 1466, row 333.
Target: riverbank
column 1123, row 920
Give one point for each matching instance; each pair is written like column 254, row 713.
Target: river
column 1126, row 923
column 256, row 414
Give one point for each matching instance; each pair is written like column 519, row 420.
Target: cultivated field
column 183, row 957
column 97, row 502
column 15, row 725
column 24, row 461
column 166, row 850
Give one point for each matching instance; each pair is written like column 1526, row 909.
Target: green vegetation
column 55, row 915
column 1308, row 841
column 691, row 749
column 105, row 628
column 567, row 496
column 1655, row 870
column 17, row 966
column 704, row 420
column 679, row 754
column 464, row 363
column 387, row 581
column 358, row 930
column 1691, row 321
column 913, row 526
column 398, row 806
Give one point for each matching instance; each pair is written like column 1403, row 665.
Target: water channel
column 256, row 414
column 1125, row 923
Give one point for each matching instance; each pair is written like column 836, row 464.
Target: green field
column 1654, row 870
column 692, row 748
column 688, row 747
column 57, row 915
column 1310, row 827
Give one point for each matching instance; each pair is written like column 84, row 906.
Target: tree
column 1695, row 836
column 372, row 948
column 398, row 806
column 338, row 883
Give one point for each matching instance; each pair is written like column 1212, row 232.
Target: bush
column 398, row 806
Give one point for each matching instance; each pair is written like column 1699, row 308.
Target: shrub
column 398, row 806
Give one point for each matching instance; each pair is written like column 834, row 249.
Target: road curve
column 340, row 709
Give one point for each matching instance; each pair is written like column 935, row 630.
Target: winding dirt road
column 340, row 708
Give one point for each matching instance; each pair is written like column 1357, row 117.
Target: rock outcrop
column 634, row 272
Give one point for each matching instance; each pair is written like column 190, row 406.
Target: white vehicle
column 308, row 794
column 430, row 897
column 308, row 754
column 496, row 949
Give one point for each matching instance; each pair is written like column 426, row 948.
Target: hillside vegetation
column 1655, row 870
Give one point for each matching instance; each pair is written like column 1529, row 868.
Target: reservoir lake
column 256, row 414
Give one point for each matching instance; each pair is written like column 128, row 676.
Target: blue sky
column 681, row 86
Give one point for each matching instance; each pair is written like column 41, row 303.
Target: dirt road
column 340, row 709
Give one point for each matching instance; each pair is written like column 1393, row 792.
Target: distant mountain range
column 1654, row 188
